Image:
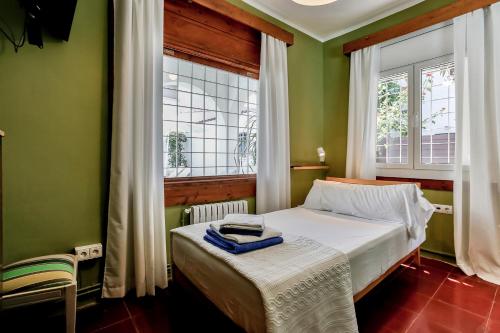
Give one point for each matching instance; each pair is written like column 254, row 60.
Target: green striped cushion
column 38, row 273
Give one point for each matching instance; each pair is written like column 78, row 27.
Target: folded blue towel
column 232, row 247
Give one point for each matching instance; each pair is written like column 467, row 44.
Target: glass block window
column 209, row 120
column 437, row 93
column 392, row 119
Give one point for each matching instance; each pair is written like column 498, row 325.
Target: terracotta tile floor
column 436, row 297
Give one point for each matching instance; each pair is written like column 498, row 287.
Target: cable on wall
column 10, row 36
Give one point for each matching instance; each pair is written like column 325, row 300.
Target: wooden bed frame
column 181, row 280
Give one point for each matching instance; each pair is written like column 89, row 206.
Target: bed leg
column 416, row 259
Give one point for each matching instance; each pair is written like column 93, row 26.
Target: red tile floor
column 435, row 297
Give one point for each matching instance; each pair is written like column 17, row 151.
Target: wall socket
column 443, row 209
column 87, row 252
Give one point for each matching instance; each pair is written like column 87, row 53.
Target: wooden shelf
column 309, row 167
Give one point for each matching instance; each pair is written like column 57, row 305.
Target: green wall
column 53, row 108
column 336, row 99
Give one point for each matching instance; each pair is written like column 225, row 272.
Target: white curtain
column 477, row 183
column 362, row 124
column 136, row 247
column 273, row 139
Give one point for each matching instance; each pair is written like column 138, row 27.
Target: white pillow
column 313, row 199
column 394, row 203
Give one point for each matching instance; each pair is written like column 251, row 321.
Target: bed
column 373, row 248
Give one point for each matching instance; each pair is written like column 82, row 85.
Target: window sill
column 199, row 190
column 416, row 173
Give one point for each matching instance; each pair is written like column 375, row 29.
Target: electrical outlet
column 87, row 252
column 96, row 251
column 444, row 209
column 82, row 253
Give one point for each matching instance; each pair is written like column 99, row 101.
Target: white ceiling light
column 313, row 2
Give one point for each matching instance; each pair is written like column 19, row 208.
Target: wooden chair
column 39, row 280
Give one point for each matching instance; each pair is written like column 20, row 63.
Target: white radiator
column 216, row 211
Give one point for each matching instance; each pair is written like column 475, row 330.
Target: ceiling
column 332, row 20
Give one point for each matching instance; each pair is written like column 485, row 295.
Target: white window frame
column 414, row 168
column 400, row 70
column 418, row 67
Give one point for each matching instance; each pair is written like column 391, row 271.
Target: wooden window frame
column 199, row 190
column 426, row 184
column 442, row 14
column 183, row 191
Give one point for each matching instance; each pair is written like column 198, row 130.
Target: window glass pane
column 233, row 133
column 197, row 115
column 253, row 84
column 198, row 101
column 252, row 97
column 197, row 145
column 210, row 145
column 169, row 97
column 170, row 112
column 197, row 160
column 392, row 120
column 210, row 103
column 243, row 82
column 233, row 93
column 233, row 80
column 233, row 106
column 198, row 71
column 169, row 81
column 170, row 65
column 184, row 128
column 210, row 117
column 209, row 125
column 198, row 86
column 222, row 91
column 185, row 68
column 210, row 74
column 184, row 99
column 210, row 89
column 184, row 84
column 196, row 172
column 197, row 130
column 232, row 119
column 222, row 104
column 222, row 77
column 437, row 114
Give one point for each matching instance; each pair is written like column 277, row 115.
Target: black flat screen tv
column 57, row 17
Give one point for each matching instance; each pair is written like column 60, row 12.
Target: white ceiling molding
column 270, row 12
column 326, row 37
column 385, row 14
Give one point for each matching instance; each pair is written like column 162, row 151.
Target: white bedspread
column 305, row 286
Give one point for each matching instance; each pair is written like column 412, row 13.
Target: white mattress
column 371, row 246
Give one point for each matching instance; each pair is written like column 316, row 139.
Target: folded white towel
column 242, row 239
column 244, row 221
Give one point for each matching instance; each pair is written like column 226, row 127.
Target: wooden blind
column 198, row 34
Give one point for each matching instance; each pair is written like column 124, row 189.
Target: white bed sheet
column 371, row 246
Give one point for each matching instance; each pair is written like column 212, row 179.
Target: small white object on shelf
column 321, row 154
